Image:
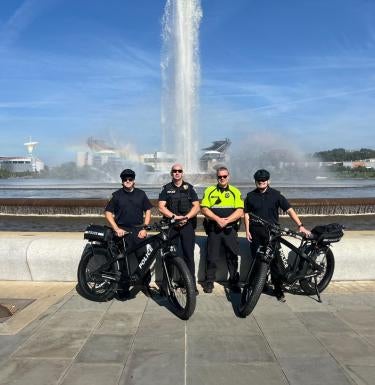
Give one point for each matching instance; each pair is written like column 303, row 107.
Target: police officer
column 265, row 202
column 128, row 209
column 222, row 206
column 178, row 199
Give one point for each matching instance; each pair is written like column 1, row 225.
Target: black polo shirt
column 128, row 207
column 266, row 205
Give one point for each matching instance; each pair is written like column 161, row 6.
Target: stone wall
column 55, row 256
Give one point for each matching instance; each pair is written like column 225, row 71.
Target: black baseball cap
column 127, row 173
column 261, row 175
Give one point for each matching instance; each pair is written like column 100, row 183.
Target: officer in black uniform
column 128, row 209
column 265, row 202
column 178, row 199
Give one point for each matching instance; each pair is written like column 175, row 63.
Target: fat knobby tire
column 183, row 312
column 95, row 257
column 252, row 290
column 307, row 285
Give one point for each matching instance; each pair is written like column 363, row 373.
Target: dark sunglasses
column 262, row 180
column 222, row 176
column 128, row 180
column 177, row 171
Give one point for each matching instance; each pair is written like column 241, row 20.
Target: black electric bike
column 107, row 266
column 311, row 265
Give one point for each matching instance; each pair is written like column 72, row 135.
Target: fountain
column 180, row 80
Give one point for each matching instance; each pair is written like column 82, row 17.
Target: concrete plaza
column 139, row 341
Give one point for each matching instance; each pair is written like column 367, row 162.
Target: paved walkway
column 141, row 342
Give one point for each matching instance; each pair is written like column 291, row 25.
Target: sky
column 295, row 72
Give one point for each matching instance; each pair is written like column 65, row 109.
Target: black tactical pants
column 186, row 235
column 216, row 241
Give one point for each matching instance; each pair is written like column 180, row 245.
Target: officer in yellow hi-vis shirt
column 222, row 206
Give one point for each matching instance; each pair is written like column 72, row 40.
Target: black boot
column 208, row 287
column 279, row 294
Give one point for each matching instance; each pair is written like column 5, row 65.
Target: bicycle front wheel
column 253, row 289
column 91, row 283
column 324, row 258
column 180, row 288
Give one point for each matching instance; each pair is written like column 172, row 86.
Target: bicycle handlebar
column 279, row 230
column 164, row 224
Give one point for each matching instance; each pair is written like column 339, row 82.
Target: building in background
column 101, row 154
column 22, row 164
column 18, row 164
column 158, row 161
column 215, row 155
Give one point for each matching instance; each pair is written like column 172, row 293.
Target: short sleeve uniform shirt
column 266, row 205
column 128, row 207
column 222, row 201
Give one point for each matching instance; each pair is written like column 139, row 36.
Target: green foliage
column 342, row 155
column 67, row 171
column 4, row 174
column 348, row 172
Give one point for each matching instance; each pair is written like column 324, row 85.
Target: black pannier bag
column 326, row 234
column 98, row 233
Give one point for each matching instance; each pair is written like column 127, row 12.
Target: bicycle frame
column 294, row 271
column 119, row 253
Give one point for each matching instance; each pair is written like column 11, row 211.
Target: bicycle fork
column 166, row 273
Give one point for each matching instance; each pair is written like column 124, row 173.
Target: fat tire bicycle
column 312, row 266
column 107, row 266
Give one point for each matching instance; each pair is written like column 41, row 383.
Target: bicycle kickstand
column 317, row 290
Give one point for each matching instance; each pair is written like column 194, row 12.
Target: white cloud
column 22, row 17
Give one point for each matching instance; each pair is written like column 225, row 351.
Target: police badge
column 227, row 195
column 185, row 186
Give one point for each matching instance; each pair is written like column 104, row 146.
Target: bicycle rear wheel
column 326, row 259
column 91, row 285
column 180, row 289
column 253, row 289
